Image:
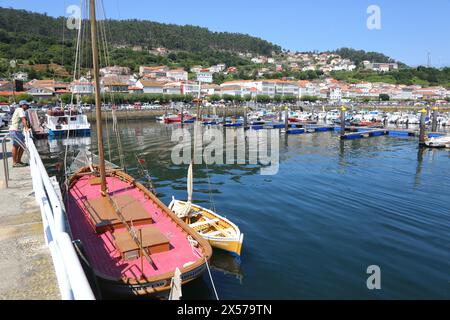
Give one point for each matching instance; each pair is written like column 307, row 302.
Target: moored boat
column 438, row 142
column 61, row 122
column 134, row 243
column 187, row 118
column 220, row 232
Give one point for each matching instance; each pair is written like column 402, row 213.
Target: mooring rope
column 211, row 278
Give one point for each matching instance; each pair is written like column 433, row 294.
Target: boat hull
column 63, row 133
column 154, row 289
column 233, row 246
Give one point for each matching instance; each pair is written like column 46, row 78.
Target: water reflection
column 227, row 264
column 420, row 152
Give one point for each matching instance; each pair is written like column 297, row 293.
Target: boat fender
column 187, row 264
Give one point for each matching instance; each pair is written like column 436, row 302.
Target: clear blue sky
column 409, row 29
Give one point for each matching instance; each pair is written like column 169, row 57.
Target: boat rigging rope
column 107, row 137
column 211, row 278
column 144, row 172
column 118, row 139
column 104, row 59
column 211, row 199
column 103, row 26
column 77, row 61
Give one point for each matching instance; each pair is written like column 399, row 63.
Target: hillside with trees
column 409, row 76
column 44, row 40
column 148, row 34
column 358, row 56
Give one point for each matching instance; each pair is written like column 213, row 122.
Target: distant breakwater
column 152, row 114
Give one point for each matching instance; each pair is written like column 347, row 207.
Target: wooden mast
column 98, row 102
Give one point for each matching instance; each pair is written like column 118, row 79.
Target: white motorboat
column 438, row 142
column 63, row 122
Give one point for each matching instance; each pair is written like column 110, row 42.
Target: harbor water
column 311, row 231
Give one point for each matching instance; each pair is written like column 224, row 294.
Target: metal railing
column 72, row 280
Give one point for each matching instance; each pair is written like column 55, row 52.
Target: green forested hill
column 358, row 56
column 137, row 32
column 33, row 38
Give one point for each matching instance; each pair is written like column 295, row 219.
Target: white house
column 190, row 87
column 82, row 87
column 217, row 68
column 41, row 93
column 172, row 87
column 205, row 75
column 234, row 90
column 177, row 74
column 153, row 72
column 210, row 89
column 335, row 93
column 307, row 88
column 149, row 86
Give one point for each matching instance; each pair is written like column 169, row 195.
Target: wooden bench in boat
column 105, row 218
column 153, row 241
column 217, row 232
column 203, row 223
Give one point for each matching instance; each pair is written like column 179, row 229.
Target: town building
column 380, row 67
column 150, row 86
column 153, row 72
column 177, row 74
column 82, row 87
column 116, row 70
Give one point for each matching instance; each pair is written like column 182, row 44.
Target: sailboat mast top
column 98, row 103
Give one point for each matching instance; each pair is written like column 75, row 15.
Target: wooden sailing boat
column 133, row 242
column 220, row 232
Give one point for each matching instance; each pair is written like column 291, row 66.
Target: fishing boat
column 395, row 117
column 220, row 232
column 134, row 244
column 210, row 120
column 60, row 123
column 333, row 115
column 187, row 118
column 322, row 116
column 373, row 116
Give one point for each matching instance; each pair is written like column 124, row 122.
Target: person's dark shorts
column 17, row 138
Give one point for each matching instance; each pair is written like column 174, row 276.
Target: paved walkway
column 26, row 266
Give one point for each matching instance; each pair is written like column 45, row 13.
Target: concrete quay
column 25, row 262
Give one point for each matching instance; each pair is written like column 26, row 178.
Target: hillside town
column 198, row 81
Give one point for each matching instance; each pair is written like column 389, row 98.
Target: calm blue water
column 311, row 231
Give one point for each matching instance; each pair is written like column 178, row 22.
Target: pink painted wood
column 101, row 249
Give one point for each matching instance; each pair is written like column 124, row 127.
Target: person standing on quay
column 18, row 121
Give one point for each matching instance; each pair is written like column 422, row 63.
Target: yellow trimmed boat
column 220, row 232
